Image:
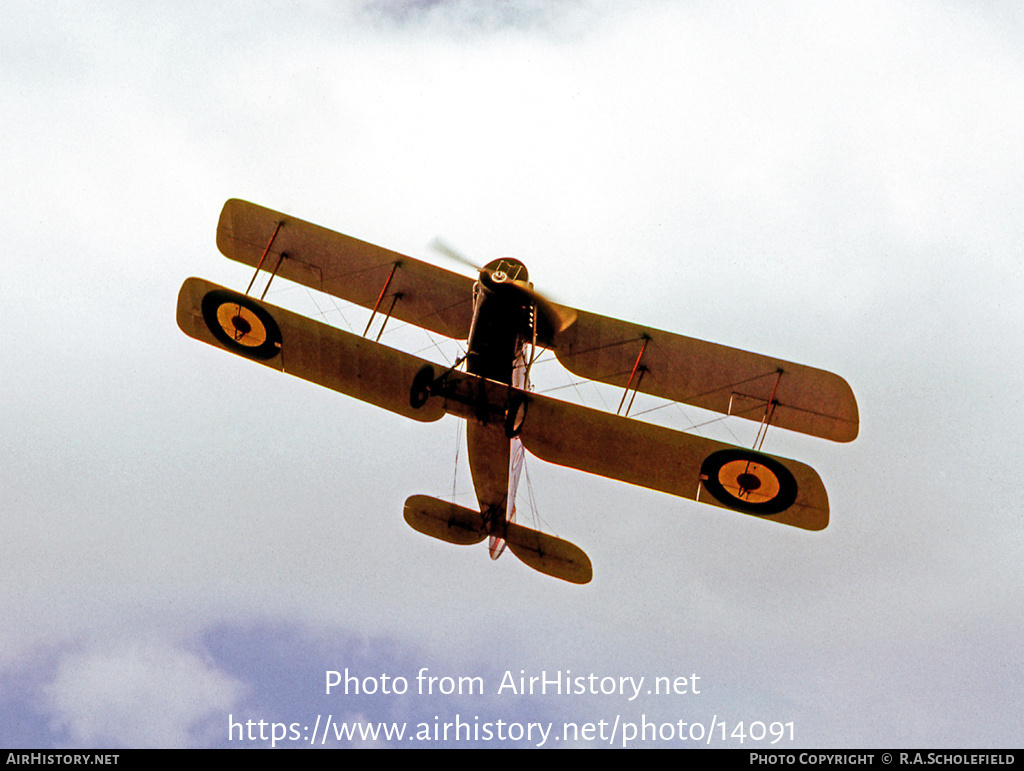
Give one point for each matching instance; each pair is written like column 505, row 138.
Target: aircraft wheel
column 514, row 417
column 421, row 384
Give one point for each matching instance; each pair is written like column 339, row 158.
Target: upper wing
column 710, row 376
column 420, row 293
column 303, row 347
column 663, row 364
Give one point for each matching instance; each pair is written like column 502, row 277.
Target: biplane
column 504, row 322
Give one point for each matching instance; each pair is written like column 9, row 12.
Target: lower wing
column 674, row 462
column 302, row 347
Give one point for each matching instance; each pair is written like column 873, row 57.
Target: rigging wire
column 458, row 446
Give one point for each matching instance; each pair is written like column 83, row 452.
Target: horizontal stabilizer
column 446, row 521
column 305, row 348
column 456, row 524
column 549, row 555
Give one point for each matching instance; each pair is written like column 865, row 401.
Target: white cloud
column 138, row 694
column 838, row 186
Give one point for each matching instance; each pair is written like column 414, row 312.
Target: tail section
column 443, row 520
column 549, row 555
column 456, row 524
column 516, row 457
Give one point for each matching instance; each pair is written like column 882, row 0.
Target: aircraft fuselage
column 502, row 328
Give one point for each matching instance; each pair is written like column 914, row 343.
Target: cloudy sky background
column 187, row 536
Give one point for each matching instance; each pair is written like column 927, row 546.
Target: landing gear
column 514, row 416
column 421, row 386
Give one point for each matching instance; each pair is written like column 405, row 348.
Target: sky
column 191, row 542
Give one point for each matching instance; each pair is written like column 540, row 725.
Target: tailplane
column 551, row 556
column 443, row 520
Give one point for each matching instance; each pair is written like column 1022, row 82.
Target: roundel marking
column 241, row 325
column 753, row 482
column 748, row 481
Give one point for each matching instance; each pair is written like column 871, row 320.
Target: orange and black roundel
column 748, row 481
column 241, row 325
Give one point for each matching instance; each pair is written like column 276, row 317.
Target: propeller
column 448, row 251
column 496, row 273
